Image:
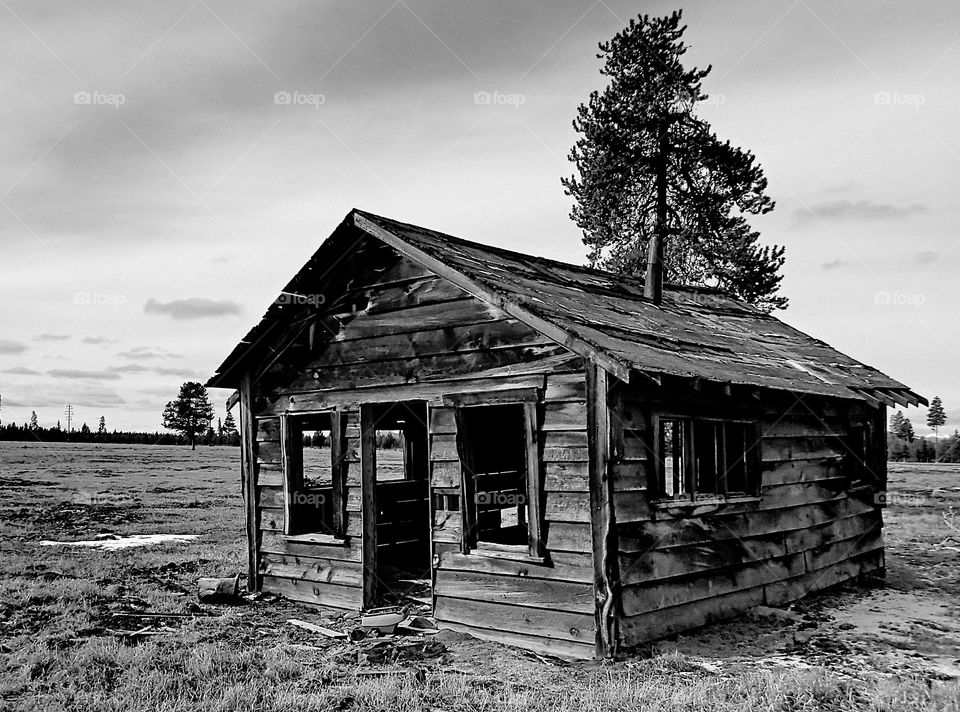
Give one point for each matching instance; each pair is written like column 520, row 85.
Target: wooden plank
column 780, row 593
column 835, row 552
column 782, row 473
column 314, row 593
column 277, row 543
column 725, row 554
column 308, row 568
column 602, row 521
column 268, row 453
column 792, row 494
column 338, row 428
column 558, row 566
column 516, row 590
column 657, row 624
column 568, row 536
column 269, row 475
column 526, row 641
column 561, row 477
column 637, row 599
column 805, row 448
column 567, row 507
column 445, row 473
column 291, row 466
column 570, row 415
column 248, row 478
column 368, row 484
column 566, row 454
column 447, row 527
column 272, row 520
column 572, row 627
column 631, row 506
column 568, row 386
column 833, row 531
column 534, row 478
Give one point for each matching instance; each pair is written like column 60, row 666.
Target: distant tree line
column 225, row 433
column 903, row 445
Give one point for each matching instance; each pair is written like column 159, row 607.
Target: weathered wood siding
column 409, row 335
column 546, row 606
column 680, row 568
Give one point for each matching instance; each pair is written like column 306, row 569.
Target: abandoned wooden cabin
column 580, row 469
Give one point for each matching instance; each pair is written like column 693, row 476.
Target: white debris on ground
column 125, row 542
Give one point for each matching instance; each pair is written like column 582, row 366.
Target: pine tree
column 230, row 434
column 33, row 420
column 656, row 182
column 190, row 414
column 936, row 417
column 102, row 428
column 896, row 422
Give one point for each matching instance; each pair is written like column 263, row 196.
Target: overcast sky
column 156, row 193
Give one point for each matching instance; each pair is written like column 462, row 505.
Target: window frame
column 291, row 465
column 752, row 464
column 530, row 400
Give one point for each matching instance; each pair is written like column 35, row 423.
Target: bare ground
column 75, row 635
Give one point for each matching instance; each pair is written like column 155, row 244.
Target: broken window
column 500, row 477
column 312, row 474
column 856, row 456
column 705, row 459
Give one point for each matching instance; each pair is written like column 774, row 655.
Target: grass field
column 62, row 612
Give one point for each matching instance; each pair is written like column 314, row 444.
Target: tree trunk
column 193, row 443
column 653, row 285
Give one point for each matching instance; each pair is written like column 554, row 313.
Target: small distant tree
column 33, row 420
column 85, row 431
column 230, row 434
column 191, row 413
column 936, row 417
column 102, row 427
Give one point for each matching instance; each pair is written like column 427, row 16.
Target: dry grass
column 56, row 608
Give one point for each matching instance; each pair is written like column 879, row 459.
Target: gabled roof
column 695, row 332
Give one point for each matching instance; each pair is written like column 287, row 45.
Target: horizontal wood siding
column 541, row 605
column 681, row 568
column 321, row 575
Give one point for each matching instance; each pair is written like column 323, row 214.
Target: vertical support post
column 533, row 477
column 338, row 434
column 602, row 521
column 291, row 467
column 368, row 497
column 248, row 455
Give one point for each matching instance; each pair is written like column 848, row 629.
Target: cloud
column 77, row 373
column 143, row 353
column 98, row 340
column 193, row 308
column 925, row 258
column 51, row 337
column 838, row 263
column 22, row 371
column 129, row 368
column 11, row 347
column 184, row 372
column 837, row 210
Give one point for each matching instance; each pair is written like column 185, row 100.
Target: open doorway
column 403, row 556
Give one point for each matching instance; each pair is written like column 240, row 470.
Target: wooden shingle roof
column 694, row 333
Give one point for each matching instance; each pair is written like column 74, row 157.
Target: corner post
column 248, row 460
column 368, row 496
column 602, row 522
